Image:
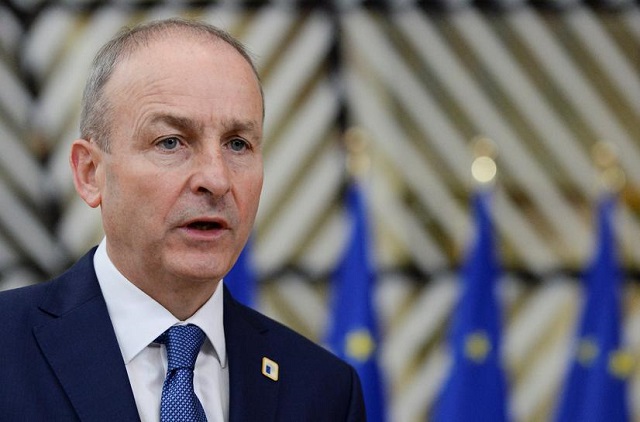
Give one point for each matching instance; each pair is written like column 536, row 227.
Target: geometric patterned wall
column 545, row 81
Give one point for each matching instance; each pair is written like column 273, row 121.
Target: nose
column 211, row 174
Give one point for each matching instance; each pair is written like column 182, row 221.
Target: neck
column 184, row 301
column 180, row 295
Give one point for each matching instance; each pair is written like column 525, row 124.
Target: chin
column 198, row 264
column 199, row 270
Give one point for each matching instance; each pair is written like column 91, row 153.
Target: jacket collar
column 252, row 395
column 80, row 345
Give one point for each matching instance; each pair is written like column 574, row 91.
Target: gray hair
column 96, row 110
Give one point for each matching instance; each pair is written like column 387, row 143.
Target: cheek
column 130, row 196
column 115, row 205
column 252, row 187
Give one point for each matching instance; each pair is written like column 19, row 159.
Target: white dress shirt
column 138, row 320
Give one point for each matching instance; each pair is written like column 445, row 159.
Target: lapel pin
column 269, row 369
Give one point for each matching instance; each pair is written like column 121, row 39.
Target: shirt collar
column 138, row 319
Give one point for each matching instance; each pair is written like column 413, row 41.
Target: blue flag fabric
column 595, row 388
column 242, row 280
column 476, row 386
column 353, row 335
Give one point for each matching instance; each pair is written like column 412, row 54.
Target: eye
column 169, row 143
column 238, row 144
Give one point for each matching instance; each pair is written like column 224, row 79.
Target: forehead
column 180, row 51
column 186, row 67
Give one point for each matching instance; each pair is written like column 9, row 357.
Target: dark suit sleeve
column 356, row 405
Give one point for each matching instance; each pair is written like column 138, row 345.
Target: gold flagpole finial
column 483, row 167
column 357, row 145
column 605, row 157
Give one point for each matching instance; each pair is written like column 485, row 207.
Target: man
column 171, row 153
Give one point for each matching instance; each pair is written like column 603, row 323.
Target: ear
column 85, row 159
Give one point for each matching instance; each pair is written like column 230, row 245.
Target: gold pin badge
column 269, row 369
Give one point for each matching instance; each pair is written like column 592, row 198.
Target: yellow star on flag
column 588, row 351
column 477, row 346
column 621, row 364
column 360, row 344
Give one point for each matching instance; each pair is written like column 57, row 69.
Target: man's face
column 181, row 184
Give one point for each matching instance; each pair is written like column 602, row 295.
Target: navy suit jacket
column 60, row 361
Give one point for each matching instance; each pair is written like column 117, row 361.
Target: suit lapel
column 80, row 345
column 252, row 395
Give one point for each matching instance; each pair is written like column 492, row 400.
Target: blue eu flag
column 241, row 280
column 353, row 335
column 476, row 387
column 595, row 388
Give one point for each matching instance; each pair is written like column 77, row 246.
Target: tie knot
column 183, row 343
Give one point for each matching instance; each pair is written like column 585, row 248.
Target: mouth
column 205, row 225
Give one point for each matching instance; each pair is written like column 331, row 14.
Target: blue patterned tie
column 179, row 401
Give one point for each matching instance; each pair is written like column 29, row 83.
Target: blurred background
column 420, row 82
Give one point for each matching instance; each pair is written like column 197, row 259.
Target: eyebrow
column 235, row 125
column 188, row 124
column 179, row 122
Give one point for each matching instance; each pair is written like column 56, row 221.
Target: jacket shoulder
column 29, row 300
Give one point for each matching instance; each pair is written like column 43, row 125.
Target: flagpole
column 358, row 160
column 484, row 169
column 611, row 177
